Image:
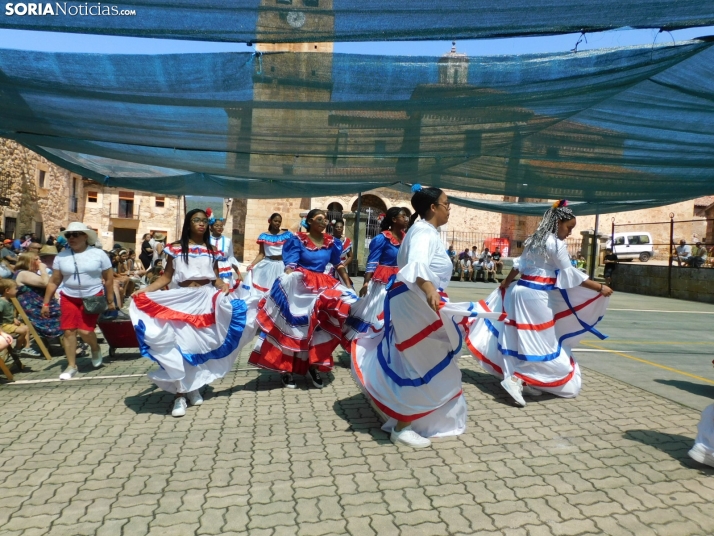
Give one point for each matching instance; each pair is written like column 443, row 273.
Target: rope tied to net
column 580, row 40
column 259, row 54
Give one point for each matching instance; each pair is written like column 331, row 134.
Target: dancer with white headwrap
column 548, row 311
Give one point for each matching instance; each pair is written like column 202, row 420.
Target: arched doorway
column 375, row 209
column 334, row 213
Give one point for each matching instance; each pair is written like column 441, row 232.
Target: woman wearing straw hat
column 549, row 310
column 84, row 272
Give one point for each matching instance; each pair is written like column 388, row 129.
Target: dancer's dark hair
column 271, row 218
column 186, row 234
column 310, row 215
column 548, row 226
column 388, row 217
column 422, row 200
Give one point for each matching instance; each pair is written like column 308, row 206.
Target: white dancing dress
column 302, row 317
column 225, row 266
column 703, row 449
column 409, row 370
column 548, row 313
column 367, row 315
column 193, row 333
column 346, row 248
column 268, row 270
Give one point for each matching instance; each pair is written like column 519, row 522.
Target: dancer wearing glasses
column 549, row 310
column 410, row 371
column 302, row 317
column 196, row 330
column 268, row 264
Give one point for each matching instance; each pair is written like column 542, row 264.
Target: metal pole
column 593, row 248
column 356, row 240
column 671, row 249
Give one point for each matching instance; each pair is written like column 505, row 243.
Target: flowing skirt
column 535, row 340
column 31, row 303
column 367, row 315
column 194, row 333
column 703, row 450
column 302, row 322
column 409, row 370
column 264, row 275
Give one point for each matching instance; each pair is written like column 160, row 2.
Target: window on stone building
column 472, row 143
column 126, row 205
column 41, row 176
column 92, row 197
column 160, row 201
column 73, row 204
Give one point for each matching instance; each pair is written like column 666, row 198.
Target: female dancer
column 338, row 230
column 550, row 309
column 302, row 317
column 367, row 315
column 268, row 264
column 703, row 449
column 226, row 270
column 410, row 370
column 196, row 330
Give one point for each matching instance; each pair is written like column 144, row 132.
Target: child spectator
column 497, row 262
column 489, row 269
column 610, row 265
column 10, row 324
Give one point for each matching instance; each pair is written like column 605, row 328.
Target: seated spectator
column 474, row 253
column 611, row 262
column 489, row 269
column 32, row 277
column 497, row 262
column 466, row 269
column 6, row 253
column 10, row 324
column 581, row 263
column 47, row 256
column 451, row 252
column 34, row 246
column 698, row 256
column 682, row 252
column 131, row 260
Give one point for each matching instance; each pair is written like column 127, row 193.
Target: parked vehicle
column 633, row 245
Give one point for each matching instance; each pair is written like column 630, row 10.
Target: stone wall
column 256, row 220
column 30, row 204
column 651, row 280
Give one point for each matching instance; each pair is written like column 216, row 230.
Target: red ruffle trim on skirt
column 383, row 273
column 317, row 282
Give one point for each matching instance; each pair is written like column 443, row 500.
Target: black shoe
column 287, row 380
column 316, row 378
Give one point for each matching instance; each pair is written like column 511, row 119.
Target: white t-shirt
column 90, row 265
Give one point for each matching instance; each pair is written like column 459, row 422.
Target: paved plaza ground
column 101, row 455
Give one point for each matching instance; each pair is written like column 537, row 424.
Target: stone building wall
column 651, row 280
column 256, row 220
column 30, row 204
column 103, row 215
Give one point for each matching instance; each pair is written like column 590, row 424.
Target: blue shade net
column 281, row 21
column 611, row 129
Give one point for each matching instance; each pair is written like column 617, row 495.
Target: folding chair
column 29, row 325
column 3, row 366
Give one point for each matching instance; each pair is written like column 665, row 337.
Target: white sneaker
column 194, row 397
column 700, row 454
column 68, row 373
column 529, row 390
column 179, row 407
column 97, row 358
column 514, row 387
column 407, row 436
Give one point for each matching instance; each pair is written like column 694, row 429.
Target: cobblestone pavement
column 101, row 455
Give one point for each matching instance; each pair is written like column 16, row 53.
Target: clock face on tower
column 296, row 19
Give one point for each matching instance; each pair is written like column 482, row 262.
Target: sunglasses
column 74, row 234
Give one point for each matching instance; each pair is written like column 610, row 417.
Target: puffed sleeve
column 420, row 247
column 335, row 254
column 517, row 263
column 375, row 252
column 291, row 252
column 568, row 276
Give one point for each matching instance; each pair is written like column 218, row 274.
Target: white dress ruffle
column 194, row 333
column 547, row 313
column 409, row 370
column 264, row 275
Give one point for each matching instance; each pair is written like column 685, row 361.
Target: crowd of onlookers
column 72, row 266
column 472, row 265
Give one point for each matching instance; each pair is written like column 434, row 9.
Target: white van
column 633, row 245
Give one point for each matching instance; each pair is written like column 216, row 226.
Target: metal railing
column 670, row 233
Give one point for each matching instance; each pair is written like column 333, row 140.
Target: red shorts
column 72, row 315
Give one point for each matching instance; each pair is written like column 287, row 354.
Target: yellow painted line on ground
column 650, row 363
column 616, row 341
column 660, row 311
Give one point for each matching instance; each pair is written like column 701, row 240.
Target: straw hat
column 79, row 227
column 159, row 237
column 48, row 250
